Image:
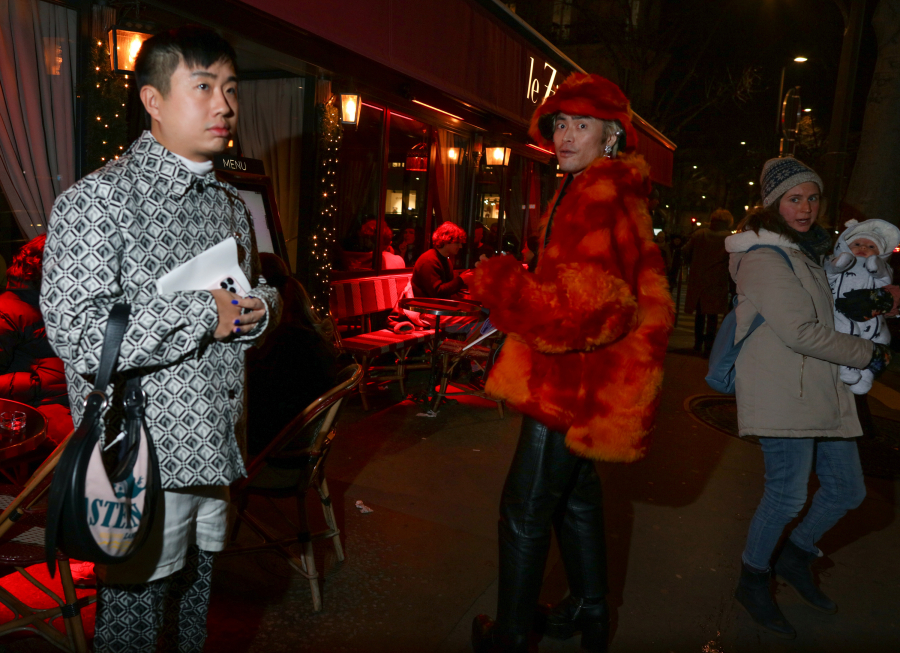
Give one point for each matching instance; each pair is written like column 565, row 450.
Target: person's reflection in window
column 405, row 246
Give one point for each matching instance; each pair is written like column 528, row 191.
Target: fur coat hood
column 587, row 332
column 744, row 240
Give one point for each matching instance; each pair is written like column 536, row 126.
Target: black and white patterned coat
column 110, row 237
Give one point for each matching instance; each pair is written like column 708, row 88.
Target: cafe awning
column 475, row 51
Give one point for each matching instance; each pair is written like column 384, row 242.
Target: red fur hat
column 584, row 95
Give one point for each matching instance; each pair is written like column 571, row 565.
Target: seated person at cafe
column 357, row 248
column 510, row 245
column 390, row 260
column 433, row 277
column 296, row 364
column 30, row 371
column 433, row 273
column 405, row 245
column 479, row 247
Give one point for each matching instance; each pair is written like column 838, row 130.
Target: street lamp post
column 790, row 122
column 778, row 108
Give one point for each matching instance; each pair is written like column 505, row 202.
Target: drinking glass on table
column 12, row 423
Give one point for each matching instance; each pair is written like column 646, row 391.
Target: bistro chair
column 22, row 527
column 367, row 297
column 479, row 347
column 291, row 465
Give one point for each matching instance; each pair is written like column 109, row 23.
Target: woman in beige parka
column 788, row 389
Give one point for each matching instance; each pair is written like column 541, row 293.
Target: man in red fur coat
column 583, row 360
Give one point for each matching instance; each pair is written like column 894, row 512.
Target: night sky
column 769, row 34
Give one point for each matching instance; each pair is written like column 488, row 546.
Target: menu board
column 256, row 203
column 255, row 188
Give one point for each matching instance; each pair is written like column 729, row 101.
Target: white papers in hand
column 217, row 267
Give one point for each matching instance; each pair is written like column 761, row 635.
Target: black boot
column 793, row 568
column 754, row 594
column 487, row 639
column 698, row 331
column 572, row 614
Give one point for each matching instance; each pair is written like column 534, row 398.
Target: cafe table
column 439, row 308
column 14, row 447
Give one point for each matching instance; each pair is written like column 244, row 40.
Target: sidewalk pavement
column 424, row 562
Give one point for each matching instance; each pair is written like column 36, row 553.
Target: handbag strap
column 115, row 332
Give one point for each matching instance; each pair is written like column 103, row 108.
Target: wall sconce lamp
column 124, row 45
column 497, row 156
column 350, row 108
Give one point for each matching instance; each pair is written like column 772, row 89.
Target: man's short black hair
column 196, row 46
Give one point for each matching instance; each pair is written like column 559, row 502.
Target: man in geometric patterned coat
column 110, row 237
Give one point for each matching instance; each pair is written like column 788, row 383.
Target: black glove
column 881, row 358
column 858, row 305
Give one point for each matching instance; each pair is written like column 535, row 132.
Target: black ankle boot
column 793, row 568
column 487, row 639
column 572, row 614
column 753, row 592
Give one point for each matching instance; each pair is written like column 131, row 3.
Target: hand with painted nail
column 229, row 312
column 236, row 314
column 252, row 311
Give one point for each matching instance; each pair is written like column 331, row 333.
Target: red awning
column 658, row 150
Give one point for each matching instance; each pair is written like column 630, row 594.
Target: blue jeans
column 789, row 462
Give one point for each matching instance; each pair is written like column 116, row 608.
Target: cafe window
column 450, row 178
column 359, row 184
column 511, row 200
column 406, row 196
column 489, row 207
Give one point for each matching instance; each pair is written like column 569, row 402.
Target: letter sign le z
column 534, row 86
column 550, row 88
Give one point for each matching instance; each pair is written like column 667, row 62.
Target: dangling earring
column 608, row 150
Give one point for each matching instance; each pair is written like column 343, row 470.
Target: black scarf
column 815, row 243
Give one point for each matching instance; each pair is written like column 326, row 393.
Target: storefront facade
column 442, row 85
column 445, row 89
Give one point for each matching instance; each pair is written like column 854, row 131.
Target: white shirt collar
column 198, row 168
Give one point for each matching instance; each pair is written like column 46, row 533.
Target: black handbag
column 103, row 498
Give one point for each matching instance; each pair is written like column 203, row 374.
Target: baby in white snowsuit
column 860, row 262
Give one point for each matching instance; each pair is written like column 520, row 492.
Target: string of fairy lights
column 322, row 234
column 107, row 95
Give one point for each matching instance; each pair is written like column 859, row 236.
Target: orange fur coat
column 587, row 332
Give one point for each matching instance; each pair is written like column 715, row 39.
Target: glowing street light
column 124, row 46
column 350, row 109
column 497, row 156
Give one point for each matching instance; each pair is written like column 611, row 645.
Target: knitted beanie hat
column 781, row 175
column 583, row 95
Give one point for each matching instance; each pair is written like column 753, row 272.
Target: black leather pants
column 548, row 485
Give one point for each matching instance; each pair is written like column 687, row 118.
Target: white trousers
column 194, row 515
